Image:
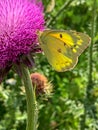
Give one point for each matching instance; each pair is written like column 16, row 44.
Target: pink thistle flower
column 19, row 21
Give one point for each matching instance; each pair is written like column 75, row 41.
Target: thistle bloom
column 19, row 21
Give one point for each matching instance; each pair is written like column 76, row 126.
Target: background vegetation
column 74, row 101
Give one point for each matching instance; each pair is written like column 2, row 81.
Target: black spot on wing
column 74, row 45
column 59, row 50
column 61, row 36
column 64, row 44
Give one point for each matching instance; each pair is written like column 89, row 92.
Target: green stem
column 66, row 4
column 89, row 98
column 89, row 102
column 92, row 42
column 32, row 113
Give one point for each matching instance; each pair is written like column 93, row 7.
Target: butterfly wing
column 62, row 48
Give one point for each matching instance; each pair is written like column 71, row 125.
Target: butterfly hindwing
column 62, row 48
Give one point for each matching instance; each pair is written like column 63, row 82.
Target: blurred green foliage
column 69, row 107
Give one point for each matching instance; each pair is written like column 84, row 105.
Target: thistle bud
column 41, row 83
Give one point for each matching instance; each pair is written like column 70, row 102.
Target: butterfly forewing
column 76, row 41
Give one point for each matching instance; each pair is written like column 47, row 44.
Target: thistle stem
column 32, row 113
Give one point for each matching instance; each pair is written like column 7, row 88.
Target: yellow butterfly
column 62, row 48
